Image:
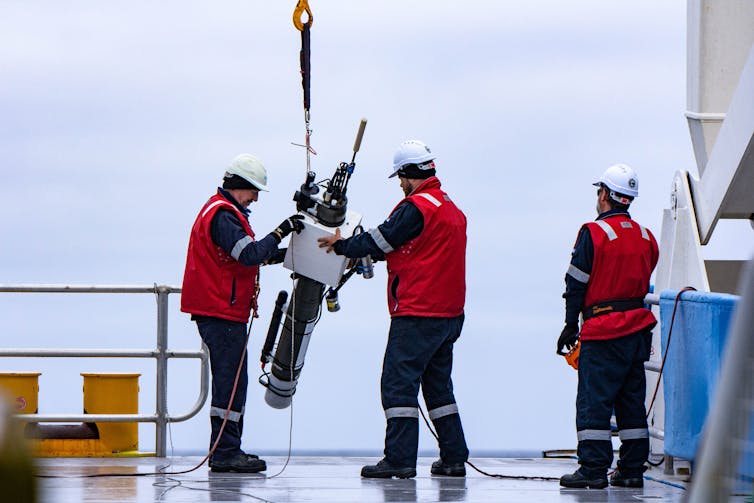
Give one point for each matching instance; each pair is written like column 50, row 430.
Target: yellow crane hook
column 298, row 12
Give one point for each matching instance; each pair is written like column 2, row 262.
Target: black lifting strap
column 305, row 57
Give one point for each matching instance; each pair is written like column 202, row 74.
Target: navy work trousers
column 226, row 341
column 611, row 377
column 420, row 352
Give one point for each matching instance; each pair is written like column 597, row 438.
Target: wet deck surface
column 325, row 479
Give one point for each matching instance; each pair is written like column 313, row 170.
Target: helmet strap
column 418, row 171
column 619, row 198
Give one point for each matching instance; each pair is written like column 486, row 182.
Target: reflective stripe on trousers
column 232, row 415
column 402, row 412
column 443, row 411
column 593, row 435
column 633, row 434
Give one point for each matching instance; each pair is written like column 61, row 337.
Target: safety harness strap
column 305, row 57
column 611, row 306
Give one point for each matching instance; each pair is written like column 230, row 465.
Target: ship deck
column 329, row 479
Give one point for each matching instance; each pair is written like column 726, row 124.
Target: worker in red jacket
column 220, row 286
column 606, row 283
column 424, row 243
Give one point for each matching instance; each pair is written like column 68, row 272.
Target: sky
column 117, row 120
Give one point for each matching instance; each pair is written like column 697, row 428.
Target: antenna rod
column 359, row 135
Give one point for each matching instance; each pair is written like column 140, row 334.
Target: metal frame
column 161, row 354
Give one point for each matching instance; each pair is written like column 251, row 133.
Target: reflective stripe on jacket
column 625, row 254
column 427, row 275
column 214, row 283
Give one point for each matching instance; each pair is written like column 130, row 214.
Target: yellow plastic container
column 23, row 388
column 108, row 393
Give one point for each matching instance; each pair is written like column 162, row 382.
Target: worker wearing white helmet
column 412, row 154
column 424, row 243
column 622, row 181
column 606, row 283
column 220, row 286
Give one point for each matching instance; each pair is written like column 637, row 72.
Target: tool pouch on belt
column 611, row 306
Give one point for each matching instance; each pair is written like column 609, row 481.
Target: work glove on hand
column 276, row 258
column 568, row 337
column 290, row 224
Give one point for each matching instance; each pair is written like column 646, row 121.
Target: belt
column 611, row 306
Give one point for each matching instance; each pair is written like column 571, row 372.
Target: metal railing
column 161, row 354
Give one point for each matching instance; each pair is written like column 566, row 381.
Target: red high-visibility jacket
column 625, row 254
column 214, row 283
column 427, row 275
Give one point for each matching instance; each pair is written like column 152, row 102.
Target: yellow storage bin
column 23, row 389
column 109, row 393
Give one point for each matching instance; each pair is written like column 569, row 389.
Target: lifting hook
column 301, row 7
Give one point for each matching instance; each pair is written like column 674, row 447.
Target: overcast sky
column 117, row 120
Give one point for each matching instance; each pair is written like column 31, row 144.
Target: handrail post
column 162, row 371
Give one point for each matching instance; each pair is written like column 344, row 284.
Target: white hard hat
column 250, row 168
column 620, row 178
column 411, row 152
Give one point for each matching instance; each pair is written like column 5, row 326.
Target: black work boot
column 212, row 459
column 239, row 463
column 619, row 480
column 577, row 480
column 440, row 467
column 384, row 470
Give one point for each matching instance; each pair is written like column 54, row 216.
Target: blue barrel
column 693, row 364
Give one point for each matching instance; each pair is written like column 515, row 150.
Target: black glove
column 290, row 224
column 568, row 337
column 276, row 258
